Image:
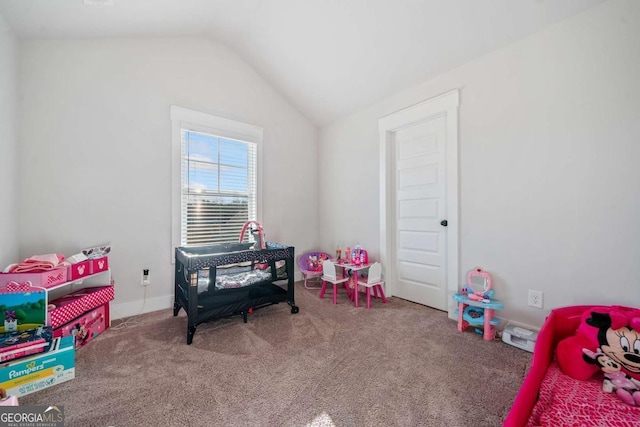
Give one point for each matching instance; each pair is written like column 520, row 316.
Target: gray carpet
column 396, row 364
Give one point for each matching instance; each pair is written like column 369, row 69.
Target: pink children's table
column 354, row 279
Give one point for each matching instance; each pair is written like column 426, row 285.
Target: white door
column 420, row 206
column 419, row 190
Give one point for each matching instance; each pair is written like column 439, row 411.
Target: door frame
column 442, row 105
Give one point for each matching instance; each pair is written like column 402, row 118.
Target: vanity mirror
column 479, row 284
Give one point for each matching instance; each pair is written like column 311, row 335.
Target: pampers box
column 30, row 374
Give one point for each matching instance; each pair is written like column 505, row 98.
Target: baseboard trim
column 134, row 308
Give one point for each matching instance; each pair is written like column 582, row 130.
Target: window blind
column 219, row 188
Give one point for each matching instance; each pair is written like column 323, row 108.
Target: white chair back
column 375, row 273
column 329, row 270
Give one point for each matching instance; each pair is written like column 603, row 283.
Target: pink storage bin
column 78, row 270
column 86, row 327
column 46, row 279
column 95, row 296
column 67, row 308
column 99, row 264
column 77, row 303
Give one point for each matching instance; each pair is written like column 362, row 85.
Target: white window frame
column 184, row 118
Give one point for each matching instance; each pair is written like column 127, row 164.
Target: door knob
column 443, row 223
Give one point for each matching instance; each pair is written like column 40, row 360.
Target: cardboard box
column 30, row 374
column 23, row 307
column 18, row 344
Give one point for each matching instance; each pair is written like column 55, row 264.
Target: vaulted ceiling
column 327, row 57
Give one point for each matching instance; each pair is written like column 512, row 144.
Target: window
column 215, row 177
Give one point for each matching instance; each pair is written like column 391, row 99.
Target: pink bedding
column 564, row 401
column 544, row 383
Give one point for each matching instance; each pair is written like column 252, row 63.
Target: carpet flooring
column 398, row 363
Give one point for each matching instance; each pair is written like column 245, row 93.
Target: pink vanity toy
column 476, row 306
column 481, row 291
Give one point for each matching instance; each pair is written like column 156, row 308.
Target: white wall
column 95, row 150
column 549, row 171
column 8, row 143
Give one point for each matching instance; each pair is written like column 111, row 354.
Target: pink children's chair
column 310, row 265
column 329, row 275
column 374, row 280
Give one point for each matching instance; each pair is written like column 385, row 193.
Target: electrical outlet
column 535, row 298
column 146, row 277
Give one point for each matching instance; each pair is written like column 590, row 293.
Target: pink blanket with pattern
column 564, row 401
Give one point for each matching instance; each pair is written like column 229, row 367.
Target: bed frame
column 214, row 303
column 561, row 323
